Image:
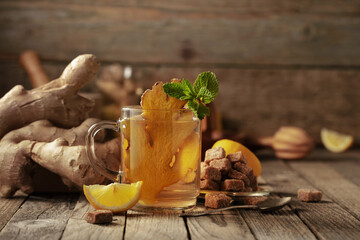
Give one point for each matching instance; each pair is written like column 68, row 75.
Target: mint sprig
column 204, row 91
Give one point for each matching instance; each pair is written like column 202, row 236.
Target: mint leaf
column 202, row 111
column 205, row 95
column 203, row 92
column 198, row 108
column 175, row 90
column 186, row 97
column 207, row 80
column 193, row 105
column 187, row 85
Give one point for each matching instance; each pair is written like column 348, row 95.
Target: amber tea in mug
column 162, row 148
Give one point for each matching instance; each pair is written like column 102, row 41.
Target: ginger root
column 61, row 151
column 56, row 101
column 46, row 126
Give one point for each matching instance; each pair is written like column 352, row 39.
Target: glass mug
column 162, row 148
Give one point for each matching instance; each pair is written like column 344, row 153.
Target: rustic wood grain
column 249, row 6
column 176, row 35
column 78, row 228
column 347, row 163
column 55, row 216
column 336, row 187
column 154, row 226
column 322, row 154
column 229, row 225
column 8, row 207
column 258, row 101
column 282, row 224
column 347, row 169
column 11, row 74
column 327, row 219
column 250, row 224
column 40, row 217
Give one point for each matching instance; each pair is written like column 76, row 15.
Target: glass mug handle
column 90, row 150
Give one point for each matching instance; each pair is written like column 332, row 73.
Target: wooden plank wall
column 279, row 62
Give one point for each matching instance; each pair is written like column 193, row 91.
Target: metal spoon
column 266, row 206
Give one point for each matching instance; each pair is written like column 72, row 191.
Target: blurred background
column 279, row 62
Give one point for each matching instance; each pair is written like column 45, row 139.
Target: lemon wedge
column 231, row 146
column 115, row 197
column 335, row 141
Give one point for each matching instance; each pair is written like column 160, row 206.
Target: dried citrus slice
column 335, row 141
column 115, row 197
column 231, row 146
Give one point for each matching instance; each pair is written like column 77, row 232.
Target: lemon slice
column 231, row 146
column 115, row 197
column 335, row 141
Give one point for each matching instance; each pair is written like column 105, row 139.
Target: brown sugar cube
column 237, row 157
column 234, row 185
column 214, row 153
column 203, row 164
column 207, row 184
column 223, row 165
column 254, row 184
column 238, row 175
column 254, row 200
column 211, row 173
column 243, row 168
column 99, row 216
column 309, row 195
column 217, row 200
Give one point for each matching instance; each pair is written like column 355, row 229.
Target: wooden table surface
column 337, row 216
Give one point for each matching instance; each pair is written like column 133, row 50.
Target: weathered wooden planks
column 269, row 54
column 347, row 169
column 283, row 224
column 11, row 74
column 347, row 163
column 259, row 101
column 154, row 226
column 227, row 225
column 258, row 6
column 250, row 224
column 256, row 101
column 78, row 228
column 336, row 187
column 172, row 34
column 8, row 207
column 327, row 219
column 275, row 225
column 330, row 223
column 40, row 217
column 59, row 216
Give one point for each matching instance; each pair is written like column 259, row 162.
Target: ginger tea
column 163, row 150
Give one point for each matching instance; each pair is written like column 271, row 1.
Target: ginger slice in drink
column 186, row 160
column 156, row 98
column 151, row 158
column 154, row 138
